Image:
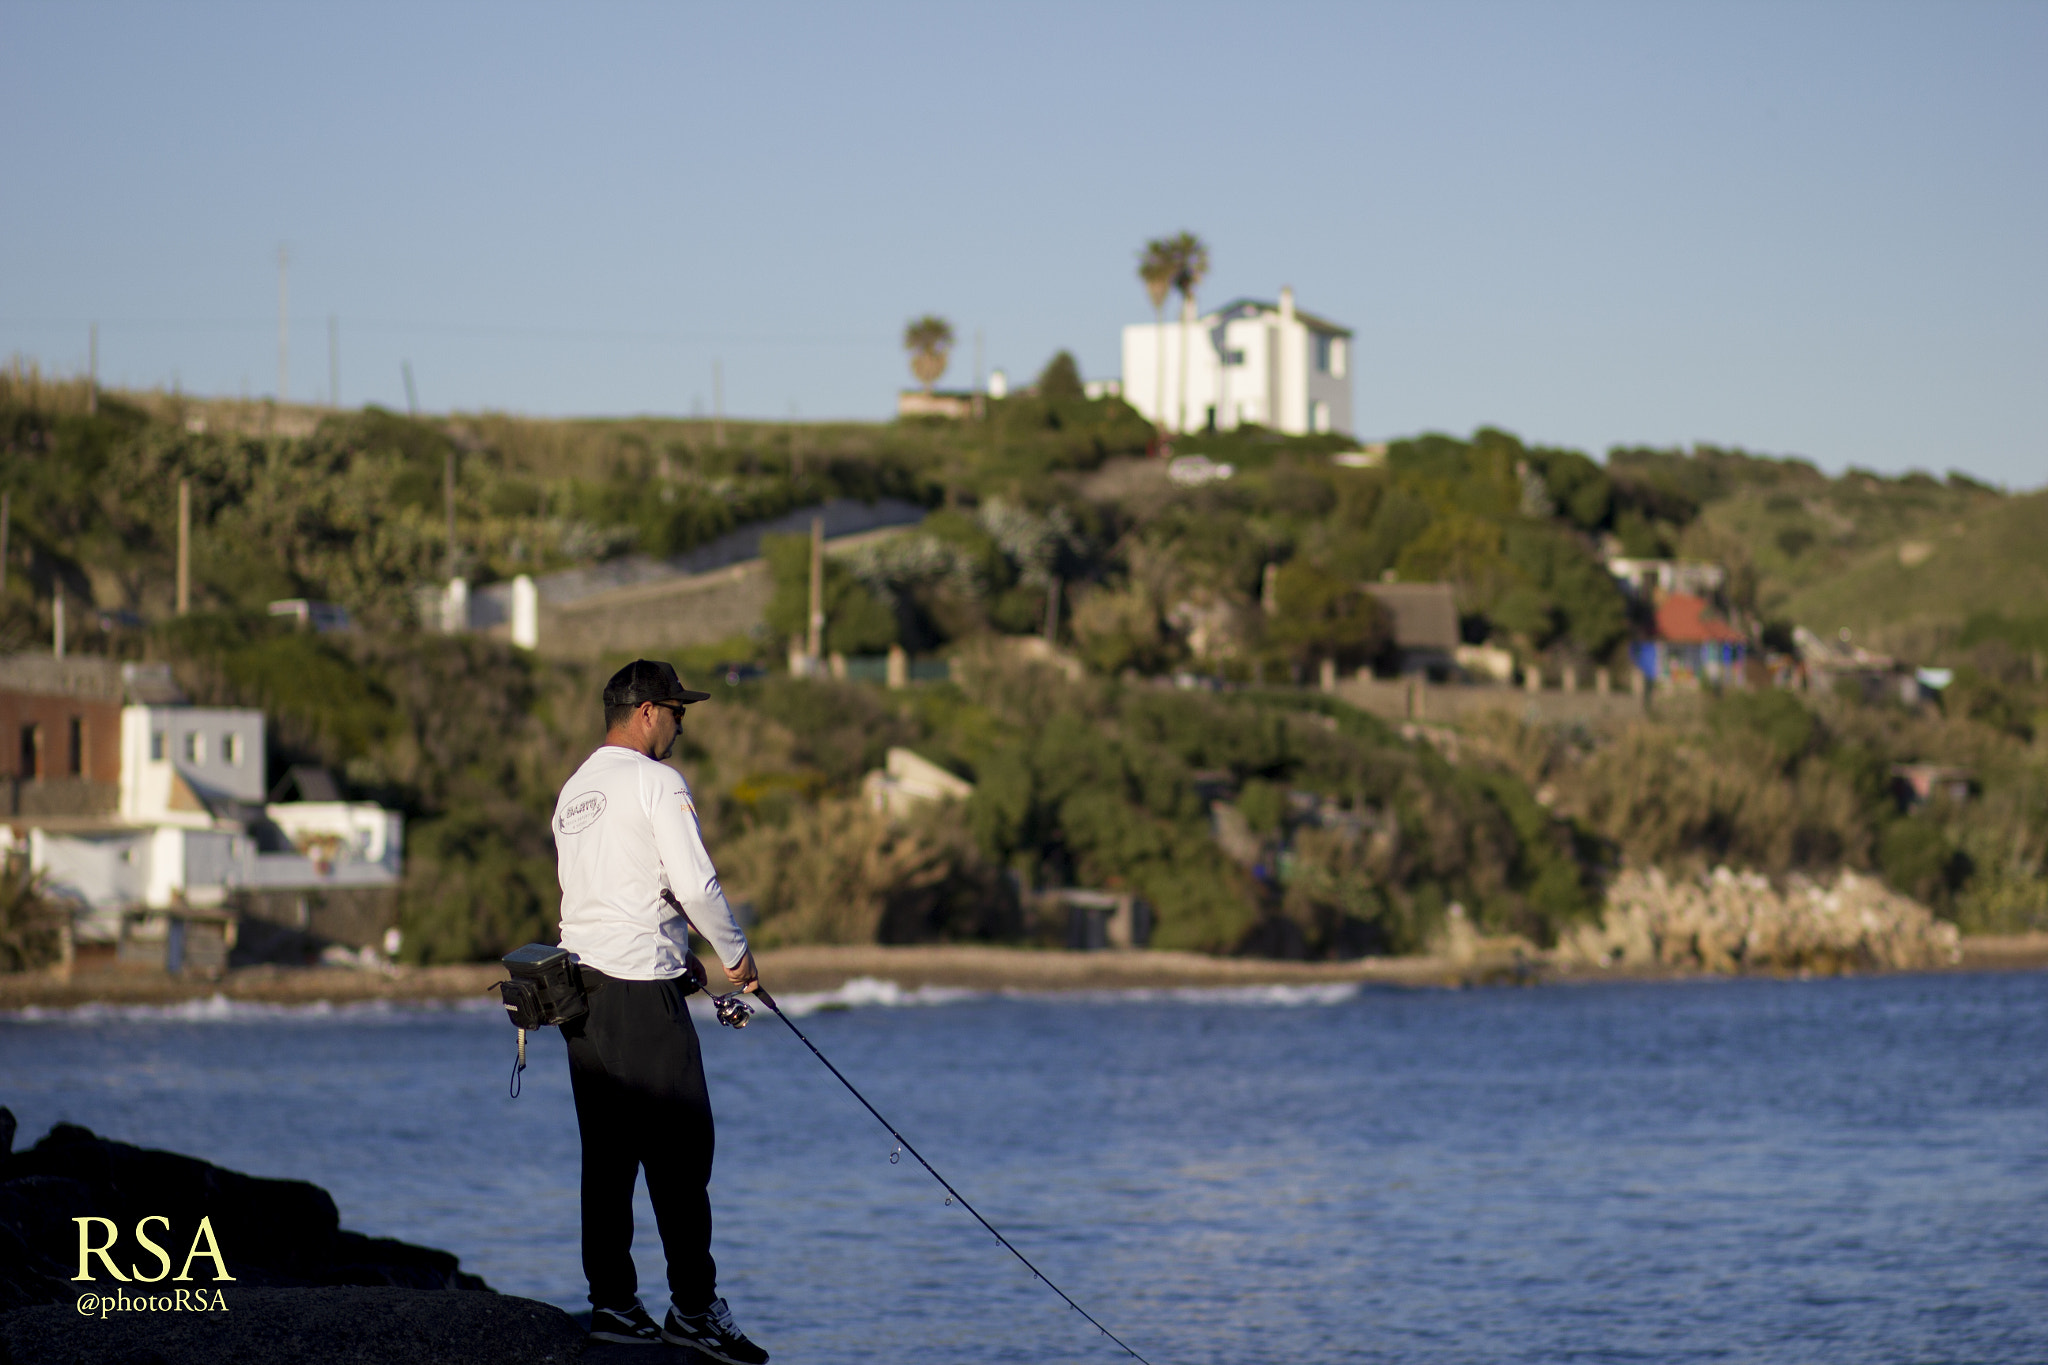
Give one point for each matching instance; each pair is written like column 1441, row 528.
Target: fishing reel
column 733, row 1010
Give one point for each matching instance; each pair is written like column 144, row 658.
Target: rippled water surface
column 1761, row 1171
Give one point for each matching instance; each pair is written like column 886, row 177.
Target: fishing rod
column 733, row 1012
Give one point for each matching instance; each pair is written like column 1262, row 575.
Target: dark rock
column 334, row 1325
column 280, row 1225
column 274, row 1233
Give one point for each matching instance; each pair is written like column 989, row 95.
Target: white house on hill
column 1248, row 362
column 193, row 824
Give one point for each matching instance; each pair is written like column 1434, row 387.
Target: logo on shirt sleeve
column 581, row 813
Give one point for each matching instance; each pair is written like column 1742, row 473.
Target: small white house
column 193, row 825
column 1248, row 362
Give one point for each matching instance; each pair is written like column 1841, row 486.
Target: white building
column 909, row 782
column 193, row 825
column 1248, row 362
column 1651, row 579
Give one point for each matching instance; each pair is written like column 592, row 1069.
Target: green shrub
column 1776, row 717
column 31, row 925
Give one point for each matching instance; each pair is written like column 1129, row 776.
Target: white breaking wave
column 218, row 1009
column 861, row 992
column 1285, row 997
column 865, row 991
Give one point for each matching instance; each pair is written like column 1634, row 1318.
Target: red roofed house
column 1691, row 643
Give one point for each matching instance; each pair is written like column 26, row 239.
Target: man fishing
column 635, row 879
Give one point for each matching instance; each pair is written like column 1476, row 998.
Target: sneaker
column 713, row 1334
column 630, row 1326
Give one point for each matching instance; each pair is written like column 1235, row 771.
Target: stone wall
column 647, row 618
column 1415, row 698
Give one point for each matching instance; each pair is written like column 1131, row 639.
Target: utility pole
column 815, row 643
column 92, row 388
column 448, row 496
column 718, row 404
column 6, row 517
column 57, row 612
column 333, row 361
column 184, row 546
column 284, row 317
column 412, row 398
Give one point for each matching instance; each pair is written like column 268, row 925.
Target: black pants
column 641, row 1104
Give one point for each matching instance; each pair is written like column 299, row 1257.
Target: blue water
column 1773, row 1171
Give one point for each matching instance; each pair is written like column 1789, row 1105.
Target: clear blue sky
column 1806, row 228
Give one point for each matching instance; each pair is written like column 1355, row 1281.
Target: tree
column 1321, row 616
column 929, row 340
column 1060, row 379
column 1190, row 264
column 31, row 923
column 1156, row 268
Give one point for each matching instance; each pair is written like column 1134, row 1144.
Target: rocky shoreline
column 346, row 1325
column 280, row 1233
column 1727, row 922
column 192, row 1264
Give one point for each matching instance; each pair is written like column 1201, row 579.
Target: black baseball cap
column 646, row 680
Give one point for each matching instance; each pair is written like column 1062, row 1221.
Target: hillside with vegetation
column 1262, row 817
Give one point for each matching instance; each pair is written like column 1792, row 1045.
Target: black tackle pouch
column 545, row 988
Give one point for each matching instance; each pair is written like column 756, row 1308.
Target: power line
column 471, row 330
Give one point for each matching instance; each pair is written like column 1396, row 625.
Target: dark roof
column 306, row 782
column 1425, row 614
column 1312, row 321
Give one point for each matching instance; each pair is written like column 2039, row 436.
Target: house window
column 31, row 763
column 74, row 747
column 1330, row 354
column 1319, row 417
column 157, row 741
column 195, row 747
column 231, row 748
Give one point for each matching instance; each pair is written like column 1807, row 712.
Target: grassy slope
column 1993, row 558
column 1828, row 553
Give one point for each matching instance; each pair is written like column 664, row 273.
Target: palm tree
column 1190, row 263
column 929, row 340
column 1156, row 267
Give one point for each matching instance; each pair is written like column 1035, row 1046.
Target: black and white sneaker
column 713, row 1334
column 630, row 1326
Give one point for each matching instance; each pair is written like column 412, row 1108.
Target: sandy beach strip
column 827, row 968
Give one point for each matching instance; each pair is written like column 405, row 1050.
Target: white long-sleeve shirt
column 625, row 827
